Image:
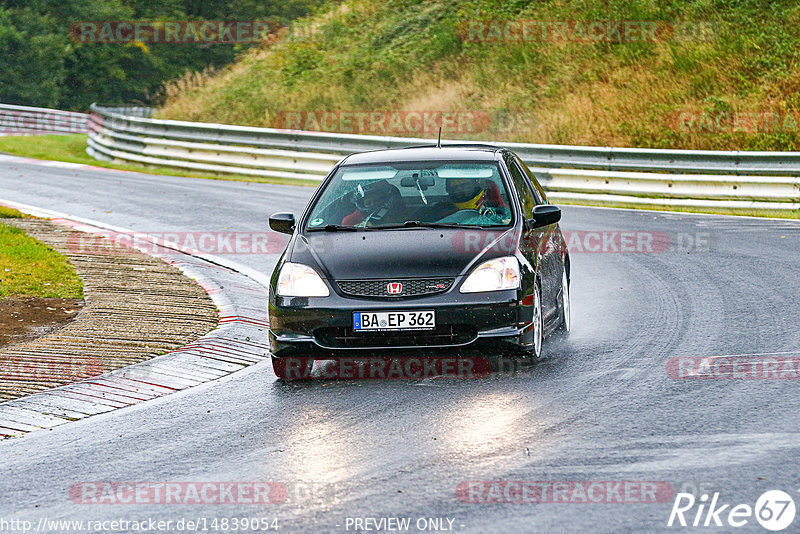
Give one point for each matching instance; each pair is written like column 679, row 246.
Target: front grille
column 380, row 288
column 344, row 338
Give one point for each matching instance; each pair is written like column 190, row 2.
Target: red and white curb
column 235, row 344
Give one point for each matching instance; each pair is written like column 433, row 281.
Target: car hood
column 406, row 253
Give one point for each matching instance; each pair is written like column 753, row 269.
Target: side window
column 524, row 192
column 538, row 191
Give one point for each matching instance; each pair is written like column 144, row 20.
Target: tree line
column 46, row 61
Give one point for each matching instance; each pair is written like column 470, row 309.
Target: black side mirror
column 282, row 222
column 543, row 215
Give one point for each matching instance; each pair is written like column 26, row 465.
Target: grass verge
column 29, row 268
column 72, row 149
column 710, row 79
column 11, row 213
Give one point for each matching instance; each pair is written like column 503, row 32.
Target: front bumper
column 323, row 327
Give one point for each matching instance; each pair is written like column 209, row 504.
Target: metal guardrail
column 24, row 120
column 734, row 180
column 671, row 190
column 215, row 148
column 581, row 157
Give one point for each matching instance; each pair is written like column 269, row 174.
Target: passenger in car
column 377, row 202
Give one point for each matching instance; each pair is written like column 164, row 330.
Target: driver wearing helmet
column 473, row 194
column 466, row 194
column 377, row 202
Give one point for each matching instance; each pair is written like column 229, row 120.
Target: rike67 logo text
column 774, row 510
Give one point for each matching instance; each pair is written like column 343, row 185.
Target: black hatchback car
column 420, row 248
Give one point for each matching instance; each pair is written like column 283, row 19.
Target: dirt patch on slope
column 28, row 318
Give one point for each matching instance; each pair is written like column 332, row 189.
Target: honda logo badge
column 394, row 288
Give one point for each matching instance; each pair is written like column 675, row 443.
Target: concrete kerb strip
column 137, row 307
column 236, row 290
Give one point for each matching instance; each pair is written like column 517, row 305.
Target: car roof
column 464, row 152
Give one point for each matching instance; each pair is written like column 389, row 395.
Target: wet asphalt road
column 600, row 407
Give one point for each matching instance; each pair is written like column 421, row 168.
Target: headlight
column 493, row 275
column 298, row 280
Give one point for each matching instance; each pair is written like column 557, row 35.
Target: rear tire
column 292, row 368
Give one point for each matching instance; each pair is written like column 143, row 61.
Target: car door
column 548, row 245
column 532, row 241
column 557, row 245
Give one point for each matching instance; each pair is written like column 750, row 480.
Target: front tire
column 566, row 311
column 533, row 350
column 538, row 324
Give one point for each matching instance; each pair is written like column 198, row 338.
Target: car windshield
column 419, row 194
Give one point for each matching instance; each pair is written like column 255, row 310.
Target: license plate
column 405, row 320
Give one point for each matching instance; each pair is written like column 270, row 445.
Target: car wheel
column 533, row 350
column 291, row 368
column 566, row 313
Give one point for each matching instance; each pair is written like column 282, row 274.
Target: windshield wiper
column 420, row 224
column 334, row 228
